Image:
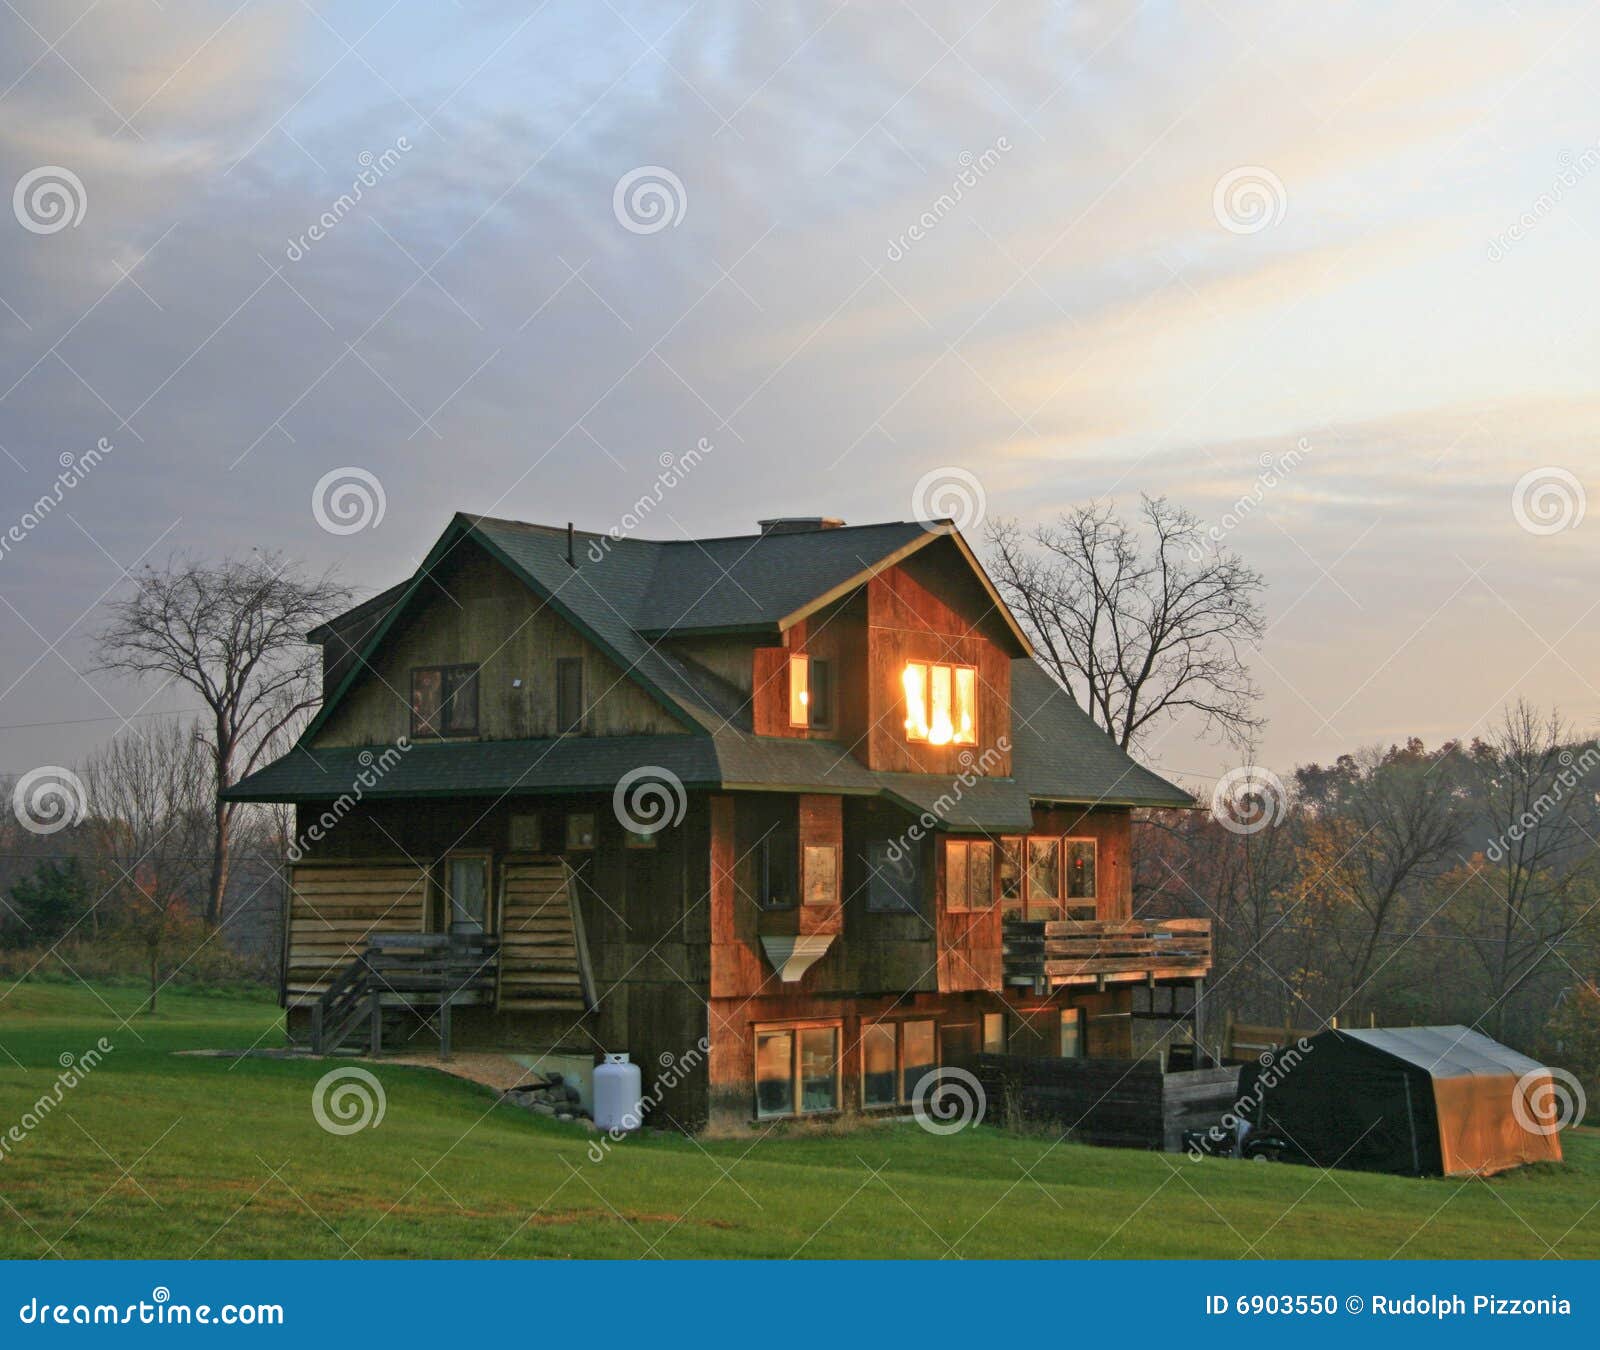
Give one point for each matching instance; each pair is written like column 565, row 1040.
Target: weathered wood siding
column 335, row 908
column 644, row 913
column 1112, row 829
column 475, row 611
column 958, row 1018
column 910, row 619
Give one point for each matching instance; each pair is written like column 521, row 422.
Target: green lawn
column 159, row 1155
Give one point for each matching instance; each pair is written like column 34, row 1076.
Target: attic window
column 444, row 701
column 799, row 691
column 810, row 692
column 941, row 703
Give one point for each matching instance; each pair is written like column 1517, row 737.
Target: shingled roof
column 624, row 594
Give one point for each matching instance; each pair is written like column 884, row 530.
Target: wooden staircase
column 544, row 958
column 421, row 975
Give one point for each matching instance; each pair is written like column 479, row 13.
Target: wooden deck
column 1101, row 952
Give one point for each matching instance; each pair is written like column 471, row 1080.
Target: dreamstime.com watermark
column 374, row 168
column 1249, row 799
column 373, row 768
column 948, row 1100
column 1276, row 1065
column 157, row 1311
column 949, row 493
column 348, row 500
column 975, row 768
column 1572, row 169
column 74, row 469
column 1574, row 771
column 972, row 169
column 674, row 1069
column 649, row 799
column 1274, row 469
column 348, row 1100
column 74, row 1069
column 674, row 469
column 48, row 799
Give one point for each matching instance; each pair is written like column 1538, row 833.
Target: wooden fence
column 1129, row 1103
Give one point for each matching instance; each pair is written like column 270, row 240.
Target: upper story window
column 774, row 859
column 1038, row 875
column 569, row 693
column 1081, row 859
column 444, row 701
column 894, row 877
column 810, row 691
column 968, row 874
column 941, row 703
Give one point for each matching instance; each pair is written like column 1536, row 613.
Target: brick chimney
column 798, row 524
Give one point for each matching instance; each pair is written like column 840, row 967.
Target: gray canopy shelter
column 1421, row 1101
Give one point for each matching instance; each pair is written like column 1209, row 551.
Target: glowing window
column 799, row 691
column 941, row 703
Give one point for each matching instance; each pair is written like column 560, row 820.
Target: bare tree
column 1537, row 787
column 1138, row 622
column 233, row 631
column 150, row 818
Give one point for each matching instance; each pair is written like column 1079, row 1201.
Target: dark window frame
column 566, row 724
column 906, row 905
column 468, row 671
column 966, row 904
column 796, row 1032
column 903, row 1088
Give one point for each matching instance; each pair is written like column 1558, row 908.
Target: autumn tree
column 149, row 822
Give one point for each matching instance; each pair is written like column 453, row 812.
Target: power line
column 109, row 717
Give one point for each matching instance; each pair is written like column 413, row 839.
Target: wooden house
column 795, row 813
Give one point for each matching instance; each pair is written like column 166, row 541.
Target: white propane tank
column 616, row 1094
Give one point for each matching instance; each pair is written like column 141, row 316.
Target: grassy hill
column 159, row 1155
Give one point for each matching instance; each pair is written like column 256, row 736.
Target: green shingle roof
column 621, row 594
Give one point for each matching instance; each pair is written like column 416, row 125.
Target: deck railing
column 1054, row 953
column 424, row 972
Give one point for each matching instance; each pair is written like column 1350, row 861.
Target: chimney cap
column 798, row 524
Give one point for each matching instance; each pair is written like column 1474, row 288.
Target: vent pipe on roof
column 572, row 561
column 798, row 524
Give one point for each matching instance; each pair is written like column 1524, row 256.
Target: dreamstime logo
column 74, row 1069
column 974, row 768
column 649, row 799
column 674, row 1070
column 1571, row 169
column 373, row 768
column 347, row 1101
column 372, row 168
column 970, row 168
column 1274, row 469
column 1546, row 1101
column 1249, row 800
column 674, row 469
column 1548, row 500
column 48, row 199
column 74, row 469
column 949, row 493
column 1275, row 1064
column 1249, row 199
column 49, row 799
column 946, row 1101
column 348, row 500
column 649, row 199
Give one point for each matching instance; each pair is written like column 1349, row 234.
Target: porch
column 1043, row 955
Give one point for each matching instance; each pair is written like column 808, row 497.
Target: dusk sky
column 1168, row 245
